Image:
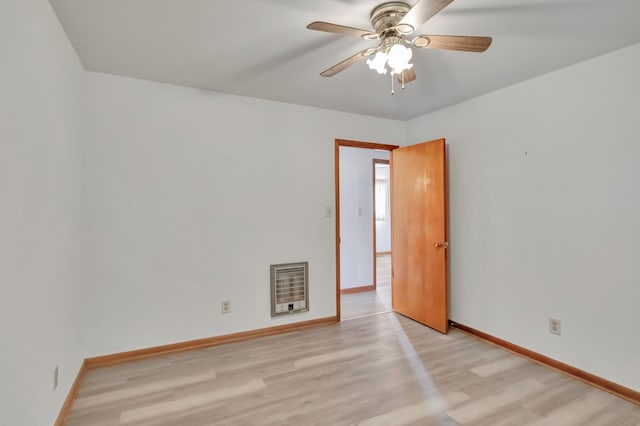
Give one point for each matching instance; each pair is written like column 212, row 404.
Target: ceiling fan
column 393, row 23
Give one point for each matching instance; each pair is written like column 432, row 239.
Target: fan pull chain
column 402, row 74
column 392, row 92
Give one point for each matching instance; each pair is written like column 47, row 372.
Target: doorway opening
column 363, row 256
column 418, row 196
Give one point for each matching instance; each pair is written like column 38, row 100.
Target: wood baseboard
column 71, row 396
column 121, row 357
column 360, row 289
column 591, row 379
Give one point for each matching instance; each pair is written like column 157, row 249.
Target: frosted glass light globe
column 378, row 63
column 398, row 58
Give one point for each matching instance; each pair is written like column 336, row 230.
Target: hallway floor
column 370, row 302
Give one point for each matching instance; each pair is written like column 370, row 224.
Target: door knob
column 441, row 244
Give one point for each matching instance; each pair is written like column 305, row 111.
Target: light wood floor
column 377, row 370
column 370, row 302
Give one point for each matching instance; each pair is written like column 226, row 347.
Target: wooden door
column 418, row 233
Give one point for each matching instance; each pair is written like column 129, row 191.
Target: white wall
column 356, row 215
column 40, row 213
column 544, row 212
column 383, row 227
column 194, row 195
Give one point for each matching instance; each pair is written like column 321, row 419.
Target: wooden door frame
column 337, row 145
column 375, row 229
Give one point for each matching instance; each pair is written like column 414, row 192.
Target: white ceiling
column 261, row 48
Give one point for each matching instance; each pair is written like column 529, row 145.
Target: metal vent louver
column 289, row 288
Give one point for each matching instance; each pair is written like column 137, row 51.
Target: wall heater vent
column 289, row 288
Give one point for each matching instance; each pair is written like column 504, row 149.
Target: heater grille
column 289, row 288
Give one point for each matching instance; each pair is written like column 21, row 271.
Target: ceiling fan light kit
column 395, row 56
column 392, row 22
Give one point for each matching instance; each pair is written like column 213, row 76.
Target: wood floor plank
column 141, row 390
column 157, row 412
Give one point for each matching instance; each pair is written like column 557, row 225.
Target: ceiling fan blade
column 422, row 11
column 407, row 76
column 338, row 29
column 330, row 72
column 451, row 42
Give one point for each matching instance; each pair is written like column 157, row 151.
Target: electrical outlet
column 555, row 326
column 55, row 377
column 226, row 306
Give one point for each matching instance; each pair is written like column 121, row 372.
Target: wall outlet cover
column 555, row 326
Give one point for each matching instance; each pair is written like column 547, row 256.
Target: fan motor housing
column 387, row 16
